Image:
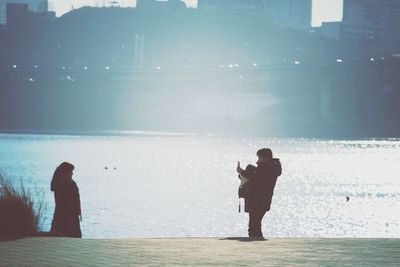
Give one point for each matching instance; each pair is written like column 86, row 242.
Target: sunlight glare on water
column 155, row 186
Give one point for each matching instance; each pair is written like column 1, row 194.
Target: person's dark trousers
column 255, row 218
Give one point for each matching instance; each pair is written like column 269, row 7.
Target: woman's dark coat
column 68, row 208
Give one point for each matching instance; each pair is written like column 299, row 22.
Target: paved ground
column 53, row 251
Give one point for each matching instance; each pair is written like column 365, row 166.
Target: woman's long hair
column 63, row 168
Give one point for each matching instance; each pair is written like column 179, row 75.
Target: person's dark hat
column 265, row 153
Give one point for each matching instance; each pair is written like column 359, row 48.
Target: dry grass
column 20, row 215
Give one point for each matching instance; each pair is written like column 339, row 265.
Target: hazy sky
column 323, row 10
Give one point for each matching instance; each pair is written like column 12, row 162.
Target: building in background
column 16, row 13
column 19, row 17
column 39, row 6
column 291, row 13
column 375, row 21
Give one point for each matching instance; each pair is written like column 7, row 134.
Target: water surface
column 165, row 185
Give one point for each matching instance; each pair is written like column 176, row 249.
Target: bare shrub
column 19, row 216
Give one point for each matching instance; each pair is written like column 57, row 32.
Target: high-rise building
column 292, row 13
column 15, row 12
column 39, row 6
column 375, row 20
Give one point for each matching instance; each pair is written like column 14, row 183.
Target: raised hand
column 239, row 169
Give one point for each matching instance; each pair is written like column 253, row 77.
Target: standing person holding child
column 259, row 189
column 67, row 213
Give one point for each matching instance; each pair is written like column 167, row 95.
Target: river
column 171, row 185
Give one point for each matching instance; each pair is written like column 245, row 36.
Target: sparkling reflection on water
column 150, row 186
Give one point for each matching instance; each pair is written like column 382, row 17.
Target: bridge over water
column 271, row 71
column 295, row 95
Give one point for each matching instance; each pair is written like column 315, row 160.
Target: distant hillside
column 177, row 38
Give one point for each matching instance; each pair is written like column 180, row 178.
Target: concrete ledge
column 58, row 251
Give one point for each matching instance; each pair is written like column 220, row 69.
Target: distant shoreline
column 143, row 133
column 97, row 133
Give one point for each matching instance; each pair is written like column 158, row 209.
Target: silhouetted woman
column 68, row 205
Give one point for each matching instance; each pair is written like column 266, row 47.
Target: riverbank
column 52, row 251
